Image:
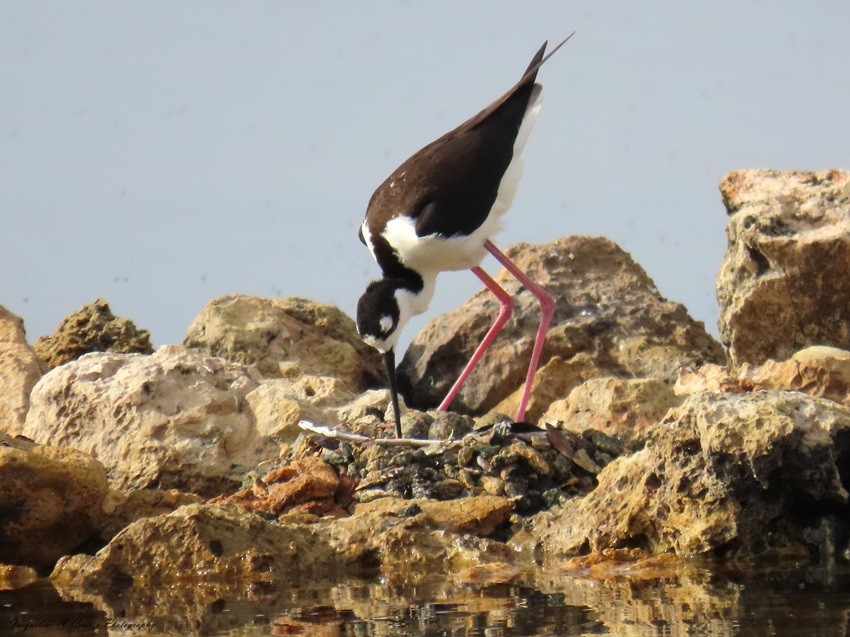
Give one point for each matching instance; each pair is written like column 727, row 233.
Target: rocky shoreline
column 124, row 468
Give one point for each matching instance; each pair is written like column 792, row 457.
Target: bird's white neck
column 412, row 303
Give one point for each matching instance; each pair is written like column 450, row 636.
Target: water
column 800, row 602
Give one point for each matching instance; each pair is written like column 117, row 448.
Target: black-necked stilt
column 437, row 212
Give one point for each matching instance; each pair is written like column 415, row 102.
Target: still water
column 801, row 601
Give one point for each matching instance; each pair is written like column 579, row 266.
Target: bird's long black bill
column 389, row 362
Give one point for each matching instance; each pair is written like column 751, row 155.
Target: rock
column 785, row 279
column 554, row 380
column 174, row 419
column 200, row 542
column 51, row 501
column 735, row 475
column 13, row 576
column 488, row 574
column 280, row 404
column 92, row 328
column 818, row 371
column 20, row 369
column 479, row 515
column 411, row 540
column 276, row 335
column 448, row 425
column 622, row 407
column 367, row 411
column 406, row 540
column 607, row 309
column 309, row 481
column 122, row 508
column 708, row 378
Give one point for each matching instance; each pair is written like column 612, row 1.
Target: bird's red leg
column 547, row 309
column 506, row 306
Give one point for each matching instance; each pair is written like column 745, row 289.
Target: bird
column 437, row 212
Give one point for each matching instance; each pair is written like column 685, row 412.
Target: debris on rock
column 92, row 328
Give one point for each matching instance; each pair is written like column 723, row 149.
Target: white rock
column 176, row 418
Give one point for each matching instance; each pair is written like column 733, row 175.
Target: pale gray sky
column 160, row 154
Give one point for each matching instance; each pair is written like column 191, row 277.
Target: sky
column 161, row 154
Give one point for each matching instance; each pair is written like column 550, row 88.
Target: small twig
column 350, row 437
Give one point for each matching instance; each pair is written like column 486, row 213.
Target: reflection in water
column 804, row 602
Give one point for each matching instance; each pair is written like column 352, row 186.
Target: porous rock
column 785, row 279
column 51, row 501
column 174, row 419
column 818, row 371
column 92, row 328
column 606, row 307
column 211, row 542
column 276, row 335
column 20, row 369
column 280, row 404
column 554, row 380
column 122, row 508
column 749, row 475
column 622, row 407
column 14, row 576
column 197, row 541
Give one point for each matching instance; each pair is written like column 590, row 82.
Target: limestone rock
column 92, row 328
column 785, row 279
column 413, row 539
column 276, row 335
column 175, row 419
column 368, row 410
column 708, row 378
column 554, row 380
column 51, row 501
column 818, row 371
column 720, row 471
column 622, row 407
column 280, row 404
column 405, row 539
column 14, row 576
column 607, row 308
column 122, row 508
column 208, row 542
column 20, row 369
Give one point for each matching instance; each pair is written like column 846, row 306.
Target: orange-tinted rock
column 92, row 328
column 785, row 279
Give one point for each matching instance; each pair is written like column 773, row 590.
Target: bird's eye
column 386, row 323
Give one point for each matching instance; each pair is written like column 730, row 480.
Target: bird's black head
column 380, row 316
column 381, row 313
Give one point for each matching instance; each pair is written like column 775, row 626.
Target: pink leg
column 506, row 305
column 547, row 309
